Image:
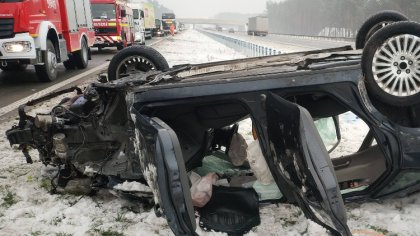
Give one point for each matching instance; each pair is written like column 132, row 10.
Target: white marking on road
column 15, row 105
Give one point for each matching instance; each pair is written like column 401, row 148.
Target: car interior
column 205, row 129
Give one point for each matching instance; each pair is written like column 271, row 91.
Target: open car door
column 301, row 164
column 162, row 164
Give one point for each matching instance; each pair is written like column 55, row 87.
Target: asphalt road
column 17, row 85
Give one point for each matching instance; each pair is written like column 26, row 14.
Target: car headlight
column 19, row 46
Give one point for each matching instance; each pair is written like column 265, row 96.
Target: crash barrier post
column 249, row 49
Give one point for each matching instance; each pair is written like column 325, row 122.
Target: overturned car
column 161, row 127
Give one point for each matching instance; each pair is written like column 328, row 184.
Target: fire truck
column 44, row 33
column 113, row 23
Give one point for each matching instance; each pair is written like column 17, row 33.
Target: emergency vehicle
column 113, row 23
column 44, row 33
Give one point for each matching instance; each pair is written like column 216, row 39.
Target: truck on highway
column 139, row 26
column 258, row 26
column 149, row 19
column 167, row 20
column 44, row 33
column 113, row 22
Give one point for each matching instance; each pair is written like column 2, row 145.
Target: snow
column 27, row 207
column 132, row 187
column 193, row 47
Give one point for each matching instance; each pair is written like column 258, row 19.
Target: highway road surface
column 16, row 85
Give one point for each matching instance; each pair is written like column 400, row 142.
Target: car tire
column 375, row 23
column 48, row 72
column 144, row 58
column 392, row 72
column 81, row 57
column 14, row 67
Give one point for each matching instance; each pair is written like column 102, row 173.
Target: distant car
column 231, row 30
column 155, row 127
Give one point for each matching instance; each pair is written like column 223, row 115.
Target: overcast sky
column 209, row 8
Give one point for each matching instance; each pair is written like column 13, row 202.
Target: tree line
column 337, row 18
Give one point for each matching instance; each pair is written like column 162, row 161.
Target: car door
column 301, row 164
column 162, row 165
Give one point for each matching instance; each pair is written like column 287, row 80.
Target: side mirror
column 141, row 14
column 329, row 129
column 123, row 13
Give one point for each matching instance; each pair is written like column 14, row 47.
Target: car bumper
column 11, row 56
column 106, row 41
column 159, row 34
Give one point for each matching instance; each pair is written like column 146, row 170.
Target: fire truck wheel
column 391, row 64
column 81, row 57
column 135, row 59
column 375, row 23
column 13, row 67
column 48, row 72
column 69, row 64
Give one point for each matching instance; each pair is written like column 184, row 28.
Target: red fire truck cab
column 113, row 23
column 44, row 33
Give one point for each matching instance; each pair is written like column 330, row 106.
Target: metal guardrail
column 316, row 37
column 247, row 48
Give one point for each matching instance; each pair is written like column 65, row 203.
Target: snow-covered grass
column 193, row 47
column 27, row 207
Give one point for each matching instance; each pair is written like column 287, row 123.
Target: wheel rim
column 52, row 62
column 396, row 66
column 134, row 64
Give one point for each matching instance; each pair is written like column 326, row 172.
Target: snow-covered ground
column 27, row 208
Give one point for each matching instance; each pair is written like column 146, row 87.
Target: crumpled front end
column 86, row 136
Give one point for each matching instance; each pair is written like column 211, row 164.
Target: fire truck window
column 103, row 11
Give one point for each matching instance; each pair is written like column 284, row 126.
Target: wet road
column 17, row 85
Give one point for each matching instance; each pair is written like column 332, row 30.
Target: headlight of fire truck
column 18, row 46
column 116, row 38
